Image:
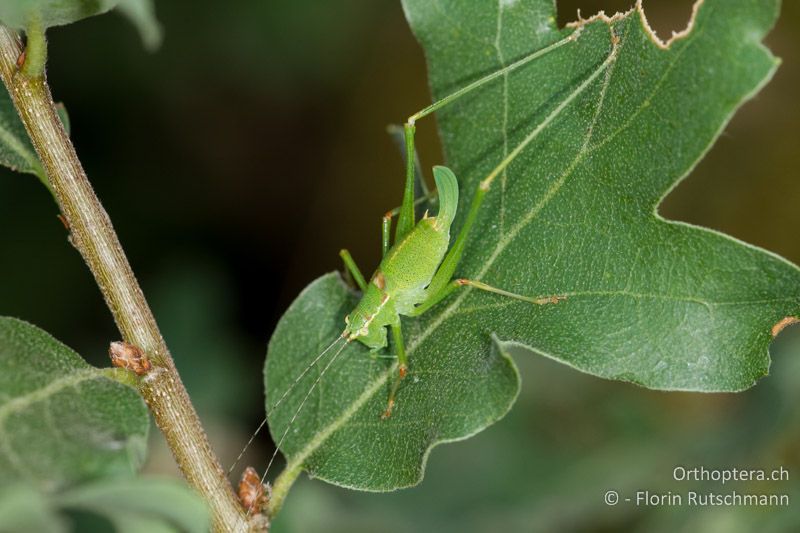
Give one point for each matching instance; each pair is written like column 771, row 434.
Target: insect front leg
column 352, row 267
column 386, row 221
column 386, row 233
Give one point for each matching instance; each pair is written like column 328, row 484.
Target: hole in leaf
column 664, row 18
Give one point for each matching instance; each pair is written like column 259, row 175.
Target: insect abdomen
column 411, row 264
column 409, row 267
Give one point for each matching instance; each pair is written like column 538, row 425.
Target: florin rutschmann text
column 701, row 496
column 693, row 498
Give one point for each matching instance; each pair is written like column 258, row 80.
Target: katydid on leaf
column 416, row 272
column 417, row 269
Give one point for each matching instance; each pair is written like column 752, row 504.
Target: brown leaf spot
column 782, row 323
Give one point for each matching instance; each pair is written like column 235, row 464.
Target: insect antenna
column 300, row 407
column 291, row 387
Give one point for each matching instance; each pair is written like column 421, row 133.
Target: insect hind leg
column 444, row 292
column 406, row 219
column 537, row 300
column 443, row 277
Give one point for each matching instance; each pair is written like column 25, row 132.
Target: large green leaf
column 662, row 304
column 61, row 420
column 339, row 435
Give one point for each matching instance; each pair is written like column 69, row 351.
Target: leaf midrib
column 20, row 403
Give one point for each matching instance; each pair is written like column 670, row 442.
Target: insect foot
column 388, row 412
column 541, row 300
column 254, row 495
column 402, row 370
column 125, row 355
column 544, row 300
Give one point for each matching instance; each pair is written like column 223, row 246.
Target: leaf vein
column 646, row 102
column 504, row 128
column 26, row 400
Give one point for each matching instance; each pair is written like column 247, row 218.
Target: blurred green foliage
column 241, row 156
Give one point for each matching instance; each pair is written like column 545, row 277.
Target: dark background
column 240, row 157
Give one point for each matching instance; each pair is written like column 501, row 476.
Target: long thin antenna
column 297, row 412
column 311, row 365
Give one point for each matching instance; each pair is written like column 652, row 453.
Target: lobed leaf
column 340, row 436
column 654, row 302
column 62, row 421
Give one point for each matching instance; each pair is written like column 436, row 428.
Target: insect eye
column 363, row 331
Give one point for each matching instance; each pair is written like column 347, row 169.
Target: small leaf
column 61, row 420
column 141, row 504
column 19, row 13
column 142, row 14
column 63, row 116
column 16, row 150
column 654, row 302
